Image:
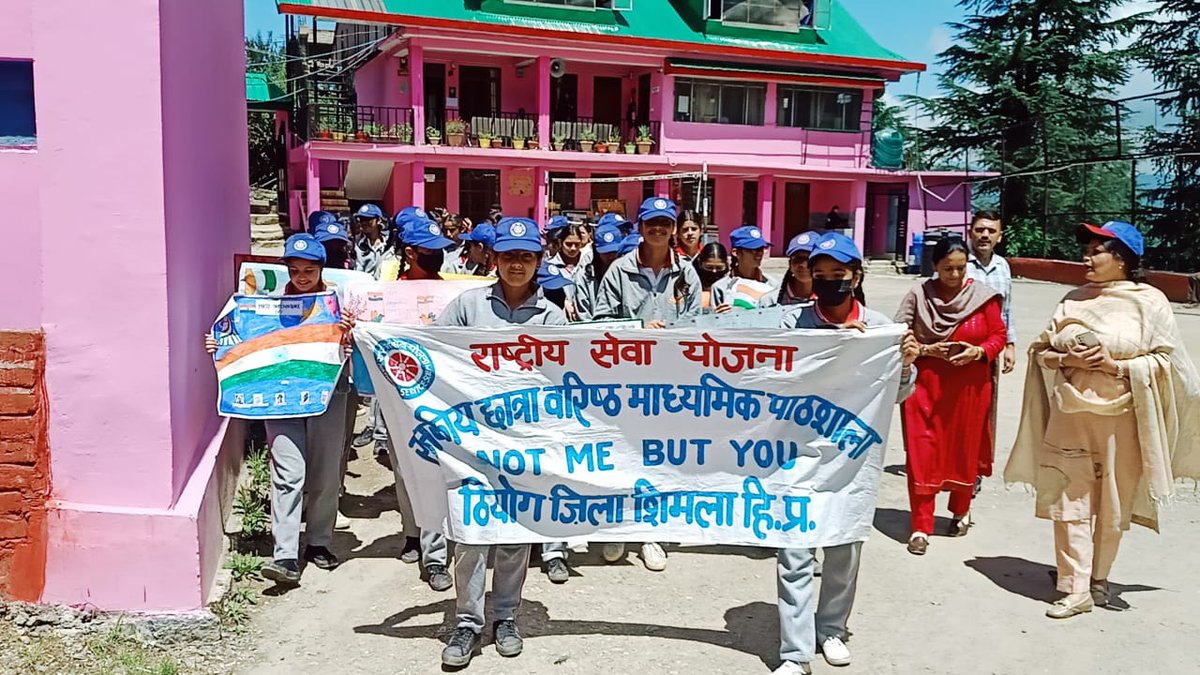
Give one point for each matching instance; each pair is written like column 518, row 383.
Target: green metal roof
column 261, row 90
column 669, row 24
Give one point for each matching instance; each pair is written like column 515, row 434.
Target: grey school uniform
column 367, row 255
column 722, row 291
column 800, row 629
column 583, row 291
column 628, row 291
column 461, row 265
column 485, row 307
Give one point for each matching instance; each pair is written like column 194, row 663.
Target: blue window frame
column 17, row 120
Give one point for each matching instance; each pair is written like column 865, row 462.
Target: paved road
column 972, row 605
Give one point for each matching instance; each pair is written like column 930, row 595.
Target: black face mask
column 709, row 277
column 832, row 292
column 431, row 262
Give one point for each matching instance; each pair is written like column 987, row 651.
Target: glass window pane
column 756, row 101
column 733, row 105
column 768, row 13
column 706, row 101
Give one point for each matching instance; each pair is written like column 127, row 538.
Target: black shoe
column 557, row 570
column 322, row 557
column 381, row 449
column 439, row 578
column 461, row 647
column 412, row 550
column 364, row 437
column 978, row 485
column 508, row 640
column 282, row 572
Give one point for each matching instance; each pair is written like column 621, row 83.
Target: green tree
column 1022, row 92
column 1170, row 48
column 264, row 55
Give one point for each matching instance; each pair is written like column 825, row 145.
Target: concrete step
column 264, row 218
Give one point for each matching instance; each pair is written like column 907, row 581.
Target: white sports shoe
column 792, row 668
column 836, row 652
column 613, row 552
column 653, row 557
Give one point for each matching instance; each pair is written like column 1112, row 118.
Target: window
column 17, row 120
column 829, row 109
column 605, row 191
column 715, row 102
column 771, row 14
column 562, row 194
column 750, row 202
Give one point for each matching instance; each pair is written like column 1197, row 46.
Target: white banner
column 761, row 437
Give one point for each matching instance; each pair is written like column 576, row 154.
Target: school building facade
column 475, row 104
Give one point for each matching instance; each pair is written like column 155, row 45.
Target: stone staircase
column 267, row 229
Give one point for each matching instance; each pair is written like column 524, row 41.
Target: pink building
column 124, row 188
column 770, row 101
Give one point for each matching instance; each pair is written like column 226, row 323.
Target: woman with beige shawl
column 1111, row 415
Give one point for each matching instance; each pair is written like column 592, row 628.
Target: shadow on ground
column 1036, row 580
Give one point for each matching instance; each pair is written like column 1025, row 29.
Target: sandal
column 959, row 526
column 918, row 543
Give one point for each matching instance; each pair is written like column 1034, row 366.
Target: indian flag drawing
column 747, row 293
column 278, row 357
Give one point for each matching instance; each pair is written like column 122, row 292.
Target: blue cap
column 610, row 218
column 1123, row 232
column 305, row 247
column 368, row 211
column 517, row 234
column 553, row 277
column 409, row 214
column 557, row 223
column 608, row 239
column 317, row 218
column 748, row 237
column 330, row 232
column 803, row 242
column 424, row 233
column 655, row 207
column 630, row 243
column 837, row 246
column 483, row 233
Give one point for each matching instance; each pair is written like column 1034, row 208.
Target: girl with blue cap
column 477, row 258
column 370, row 241
column 836, row 268
column 606, row 246
column 515, row 299
column 748, row 247
column 796, row 287
column 306, row 451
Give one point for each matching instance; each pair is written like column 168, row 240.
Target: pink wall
column 517, row 205
column 377, row 83
column 206, row 197
column 16, row 30
column 21, row 275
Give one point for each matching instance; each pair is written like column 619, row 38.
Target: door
column 478, row 92
column 435, row 188
column 435, row 95
column 643, row 103
column 606, row 101
column 564, row 98
column 887, row 220
column 478, row 192
column 795, row 209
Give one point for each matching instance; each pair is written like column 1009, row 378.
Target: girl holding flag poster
column 306, row 452
column 747, row 283
column 836, row 270
column 515, row 299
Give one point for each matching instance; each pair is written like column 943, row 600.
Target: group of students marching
column 654, row 268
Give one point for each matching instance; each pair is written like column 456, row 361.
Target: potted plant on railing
column 456, row 132
column 361, row 134
column 630, row 148
column 372, row 132
column 485, row 139
column 643, row 140
column 403, row 133
column 324, row 131
column 497, row 142
column 557, row 141
column 532, row 143
column 587, row 139
column 340, row 130
column 518, row 142
column 433, row 136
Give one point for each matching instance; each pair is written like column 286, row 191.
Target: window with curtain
column 826, row 109
column 718, row 102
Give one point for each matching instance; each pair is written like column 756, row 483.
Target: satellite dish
column 558, row 68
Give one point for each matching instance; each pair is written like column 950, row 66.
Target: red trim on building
column 674, row 45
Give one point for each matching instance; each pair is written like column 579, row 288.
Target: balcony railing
column 500, row 130
column 364, row 123
column 519, row 131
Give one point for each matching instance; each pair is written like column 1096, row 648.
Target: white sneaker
column 653, row 557
column 614, row 552
column 792, row 668
column 836, row 652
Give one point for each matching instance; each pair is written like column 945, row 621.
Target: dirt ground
column 972, row 605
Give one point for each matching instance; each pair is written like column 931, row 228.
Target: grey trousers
column 375, row 422
column 306, row 458
column 554, row 549
column 435, row 548
column 799, row 627
column 470, row 582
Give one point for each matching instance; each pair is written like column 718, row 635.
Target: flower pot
column 362, row 137
column 586, row 146
column 630, row 148
column 643, row 148
column 557, row 146
column 497, row 142
column 601, row 147
column 339, row 136
column 455, row 140
column 518, row 144
column 434, row 141
column 532, row 144
column 325, row 135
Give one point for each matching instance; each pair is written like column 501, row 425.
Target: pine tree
column 1023, row 90
column 1171, row 50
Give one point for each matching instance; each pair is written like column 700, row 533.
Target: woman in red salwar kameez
column 947, row 421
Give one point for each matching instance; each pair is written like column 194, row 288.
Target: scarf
column 1135, row 322
column 932, row 319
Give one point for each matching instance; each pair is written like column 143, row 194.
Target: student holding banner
column 653, row 284
column 836, row 268
column 514, row 299
column 305, row 451
column 581, row 302
column 746, row 277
